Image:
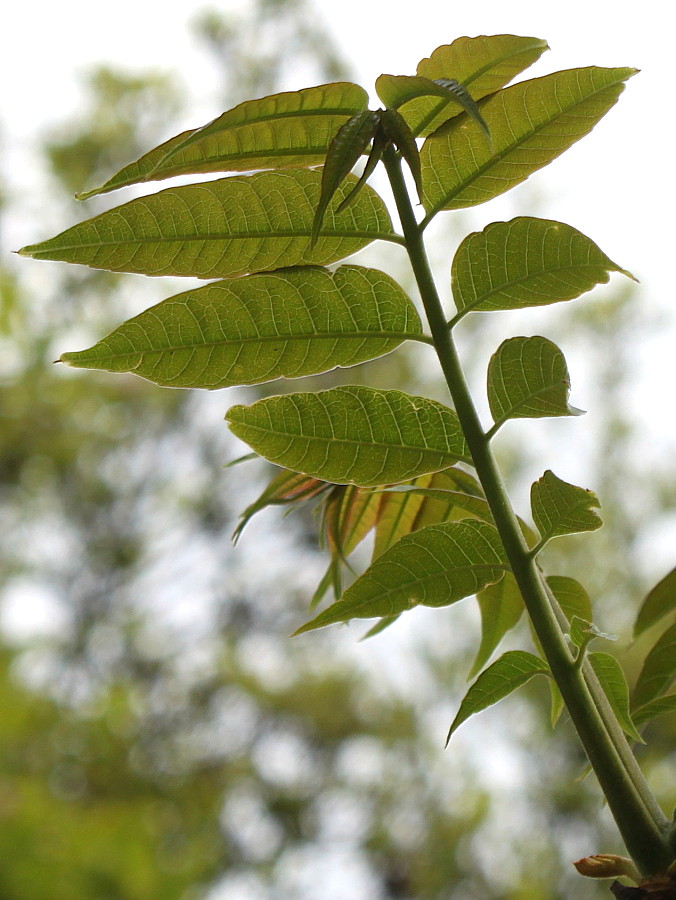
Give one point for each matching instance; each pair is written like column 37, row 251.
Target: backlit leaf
column 507, row 673
column 531, row 123
column 282, row 324
column 659, row 603
column 285, row 487
column 435, row 566
column 246, row 223
column 562, row 508
column 659, row 669
column 483, row 64
column 526, row 262
column 582, row 632
column 611, row 677
column 280, row 131
column 501, row 607
column 571, row 597
column 528, row 378
column 352, row 434
column 654, row 708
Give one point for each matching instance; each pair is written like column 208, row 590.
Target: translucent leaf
column 280, row 131
column 614, row 684
column 654, row 708
column 526, row 262
column 528, row 378
column 344, row 150
column 284, row 488
column 246, row 223
column 562, row 508
column 504, row 676
column 501, row 607
column 658, row 669
column 397, row 515
column 282, row 324
column 531, row 123
column 659, row 603
column 352, row 434
column 435, row 566
column 483, row 64
column 571, row 596
column 349, row 515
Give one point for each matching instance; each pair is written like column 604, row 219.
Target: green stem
column 641, row 823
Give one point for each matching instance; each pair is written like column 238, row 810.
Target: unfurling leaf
column 658, row 669
column 347, row 146
column 435, row 566
column 285, row 130
column 526, row 262
column 611, row 677
column 352, row 435
column 659, row 603
column 483, row 64
column 528, row 378
column 504, row 676
column 231, row 226
column 398, row 132
column 582, row 632
column 561, row 508
column 286, row 487
column 606, row 865
column 501, row 607
column 282, row 324
column 531, row 123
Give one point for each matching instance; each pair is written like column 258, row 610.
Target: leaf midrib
column 263, row 339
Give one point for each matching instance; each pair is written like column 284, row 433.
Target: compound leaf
column 658, row 669
column 526, row 262
column 501, row 607
column 282, row 324
column 528, row 378
column 531, row 123
column 352, row 435
column 246, row 223
column 562, row 508
column 435, row 566
column 280, row 131
column 504, row 676
column 611, row 677
column 659, row 603
column 483, row 64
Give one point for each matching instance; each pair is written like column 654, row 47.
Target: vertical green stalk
column 637, row 814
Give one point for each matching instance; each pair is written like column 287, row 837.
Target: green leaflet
column 561, row 508
column 280, row 131
column 352, row 435
column 482, row 64
column 531, row 123
column 614, row 684
column 246, row 223
column 501, row 607
column 526, row 262
column 528, row 378
column 285, row 488
column 507, row 673
column 571, row 596
column 658, row 669
column 435, row 566
column 655, row 708
column 282, row 324
column 659, row 603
